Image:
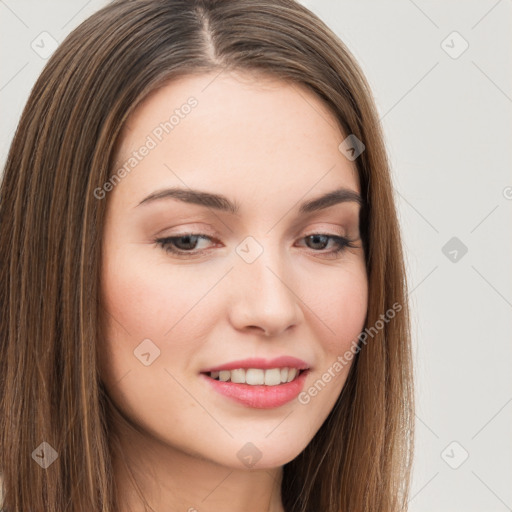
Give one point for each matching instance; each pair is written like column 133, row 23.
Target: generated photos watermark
column 344, row 359
column 154, row 138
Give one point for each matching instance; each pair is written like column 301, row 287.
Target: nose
column 265, row 296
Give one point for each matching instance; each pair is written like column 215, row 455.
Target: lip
column 264, row 364
column 259, row 397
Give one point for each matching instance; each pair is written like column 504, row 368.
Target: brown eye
column 182, row 245
column 319, row 241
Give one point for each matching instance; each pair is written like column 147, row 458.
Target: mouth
column 257, row 376
column 257, row 388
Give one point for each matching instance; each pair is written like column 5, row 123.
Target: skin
column 267, row 145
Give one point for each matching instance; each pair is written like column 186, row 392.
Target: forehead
column 244, row 132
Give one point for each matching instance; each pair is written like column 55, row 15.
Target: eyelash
column 342, row 243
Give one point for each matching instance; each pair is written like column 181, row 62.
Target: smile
column 257, row 376
column 259, row 395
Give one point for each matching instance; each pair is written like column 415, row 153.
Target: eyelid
column 342, row 229
column 323, row 228
column 188, row 229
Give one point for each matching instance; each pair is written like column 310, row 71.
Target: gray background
column 447, row 121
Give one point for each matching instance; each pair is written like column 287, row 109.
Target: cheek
column 145, row 297
column 138, row 305
column 340, row 300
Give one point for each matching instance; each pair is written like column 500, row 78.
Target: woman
column 203, row 298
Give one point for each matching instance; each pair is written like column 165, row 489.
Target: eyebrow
column 222, row 203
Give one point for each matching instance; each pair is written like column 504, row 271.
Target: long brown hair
column 50, row 247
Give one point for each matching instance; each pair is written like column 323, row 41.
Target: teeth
column 257, row 376
column 272, row 377
column 254, row 376
column 292, row 372
column 238, row 376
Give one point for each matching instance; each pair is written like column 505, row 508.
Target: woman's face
column 246, row 284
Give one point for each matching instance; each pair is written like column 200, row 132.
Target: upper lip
column 264, row 364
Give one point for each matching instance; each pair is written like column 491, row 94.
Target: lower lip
column 260, row 397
